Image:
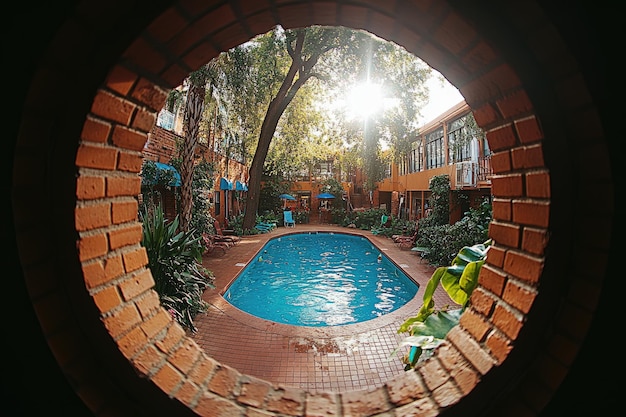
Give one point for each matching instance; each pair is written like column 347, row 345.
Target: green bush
column 175, row 260
column 445, row 241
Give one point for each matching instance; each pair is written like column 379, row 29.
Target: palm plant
column 175, row 261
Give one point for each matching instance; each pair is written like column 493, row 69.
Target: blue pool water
column 320, row 279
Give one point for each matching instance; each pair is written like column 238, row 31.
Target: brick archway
column 93, row 295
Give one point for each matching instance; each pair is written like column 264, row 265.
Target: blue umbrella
column 324, row 195
column 286, row 197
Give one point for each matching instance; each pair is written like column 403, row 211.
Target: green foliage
column 335, row 188
column 444, row 241
column 429, row 327
column 271, row 188
column 175, row 260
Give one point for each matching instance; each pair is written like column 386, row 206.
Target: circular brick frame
column 87, row 118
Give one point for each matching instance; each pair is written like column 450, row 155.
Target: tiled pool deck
column 317, row 359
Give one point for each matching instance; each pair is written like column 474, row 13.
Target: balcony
column 474, row 174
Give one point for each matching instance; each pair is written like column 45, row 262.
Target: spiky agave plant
column 175, row 259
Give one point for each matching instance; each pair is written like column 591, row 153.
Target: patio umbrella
column 286, row 197
column 324, row 196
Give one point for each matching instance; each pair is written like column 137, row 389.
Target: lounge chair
column 211, row 245
column 288, row 219
column 223, row 236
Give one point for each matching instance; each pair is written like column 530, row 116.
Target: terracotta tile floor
column 318, row 359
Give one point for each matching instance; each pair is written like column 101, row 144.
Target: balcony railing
column 471, row 173
column 484, row 169
column 466, row 174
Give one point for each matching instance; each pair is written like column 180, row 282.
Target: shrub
column 175, row 261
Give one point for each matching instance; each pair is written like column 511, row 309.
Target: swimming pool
column 320, row 279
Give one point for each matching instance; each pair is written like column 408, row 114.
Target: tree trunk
column 193, row 115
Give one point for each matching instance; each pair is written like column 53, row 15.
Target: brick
column 129, row 139
column 167, row 25
column 110, row 107
column 202, row 370
column 113, row 267
column 533, row 156
column 471, row 350
column 405, row 388
column 538, row 184
column 144, row 120
column 447, row 394
column 132, row 342
column 475, row 324
column 126, row 236
column 155, row 324
column 507, row 185
column 505, row 234
column 502, row 209
column 495, row 256
column 507, row 321
column 528, row 130
column 90, row 247
column 129, row 162
column 523, row 266
column 531, row 212
column 92, row 217
column 95, row 130
column 107, row 299
column 141, row 52
column 499, row 346
column 491, row 279
column 364, row 403
column 424, row 408
column 485, row 115
column 123, row 186
column 96, row 157
column 481, row 302
column 151, row 95
column 172, row 338
column 211, row 405
column 167, row 378
column 187, row 392
column 433, row 374
column 89, row 188
column 253, row 392
column 185, row 355
column 519, row 297
column 223, row 381
column 515, row 104
column 122, row 320
column 501, row 162
column 93, row 274
column 501, row 138
column 124, row 211
column 148, row 304
column 135, row 259
column 136, row 285
column 121, row 80
column 534, row 240
column 149, row 358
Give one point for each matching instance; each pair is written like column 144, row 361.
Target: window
column 415, row 156
column 459, row 142
column 434, row 149
column 166, row 120
column 217, row 202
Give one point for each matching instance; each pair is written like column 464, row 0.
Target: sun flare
column 364, row 100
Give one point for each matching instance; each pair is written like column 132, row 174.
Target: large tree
column 267, row 90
